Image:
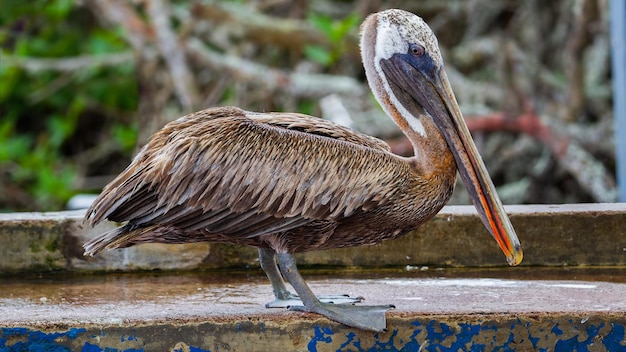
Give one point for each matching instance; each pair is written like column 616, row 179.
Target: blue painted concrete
column 492, row 333
column 437, row 336
column 33, row 340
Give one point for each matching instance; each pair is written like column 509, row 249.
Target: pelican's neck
column 431, row 153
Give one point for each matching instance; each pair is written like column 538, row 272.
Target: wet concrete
column 436, row 309
column 116, row 298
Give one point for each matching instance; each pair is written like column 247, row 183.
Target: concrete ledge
column 436, row 310
column 551, row 235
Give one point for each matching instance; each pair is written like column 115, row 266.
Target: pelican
column 288, row 183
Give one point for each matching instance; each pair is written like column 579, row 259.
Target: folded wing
column 235, row 173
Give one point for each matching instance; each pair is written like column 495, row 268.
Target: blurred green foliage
column 55, row 123
column 46, row 114
column 335, row 31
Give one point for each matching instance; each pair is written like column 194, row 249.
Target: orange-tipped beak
column 428, row 86
column 475, row 176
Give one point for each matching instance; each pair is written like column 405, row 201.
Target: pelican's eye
column 417, row 50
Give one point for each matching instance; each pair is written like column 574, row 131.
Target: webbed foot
column 294, row 300
column 363, row 317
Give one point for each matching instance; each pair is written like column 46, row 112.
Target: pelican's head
column 398, row 46
column 405, row 70
column 400, row 33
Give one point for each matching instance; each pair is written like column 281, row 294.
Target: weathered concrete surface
column 196, row 313
column 480, row 332
column 575, row 234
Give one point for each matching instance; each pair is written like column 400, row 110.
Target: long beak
column 434, row 94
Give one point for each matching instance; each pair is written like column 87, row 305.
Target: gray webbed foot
column 293, row 300
column 363, row 317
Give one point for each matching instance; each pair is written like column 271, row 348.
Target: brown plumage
column 288, row 183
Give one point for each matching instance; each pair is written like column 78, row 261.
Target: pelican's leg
column 362, row 317
column 284, row 298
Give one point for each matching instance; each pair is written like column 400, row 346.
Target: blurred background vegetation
column 84, row 83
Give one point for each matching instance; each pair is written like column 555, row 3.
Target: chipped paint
column 25, row 339
column 436, row 335
column 427, row 333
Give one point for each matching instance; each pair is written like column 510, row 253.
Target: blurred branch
column 260, row 28
column 50, row 88
column 68, row 64
column 590, row 173
column 297, row 84
column 120, row 13
column 577, row 39
column 153, row 89
column 174, row 56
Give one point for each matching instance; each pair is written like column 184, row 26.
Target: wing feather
column 232, row 172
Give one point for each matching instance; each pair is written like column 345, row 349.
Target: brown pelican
column 288, row 183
